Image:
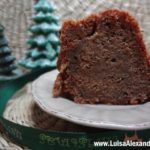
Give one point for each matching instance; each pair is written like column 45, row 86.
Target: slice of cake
column 103, row 59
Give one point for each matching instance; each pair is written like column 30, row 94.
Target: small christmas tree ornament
column 44, row 41
column 7, row 66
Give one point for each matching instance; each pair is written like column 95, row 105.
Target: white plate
column 133, row 117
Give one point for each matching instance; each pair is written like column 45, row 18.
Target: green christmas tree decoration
column 7, row 66
column 44, row 41
column 44, row 6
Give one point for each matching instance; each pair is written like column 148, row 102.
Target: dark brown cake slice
column 103, row 59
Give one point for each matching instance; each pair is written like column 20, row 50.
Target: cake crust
column 103, row 59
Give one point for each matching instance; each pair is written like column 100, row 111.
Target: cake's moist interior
column 108, row 66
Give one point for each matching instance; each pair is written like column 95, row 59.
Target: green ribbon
column 38, row 139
